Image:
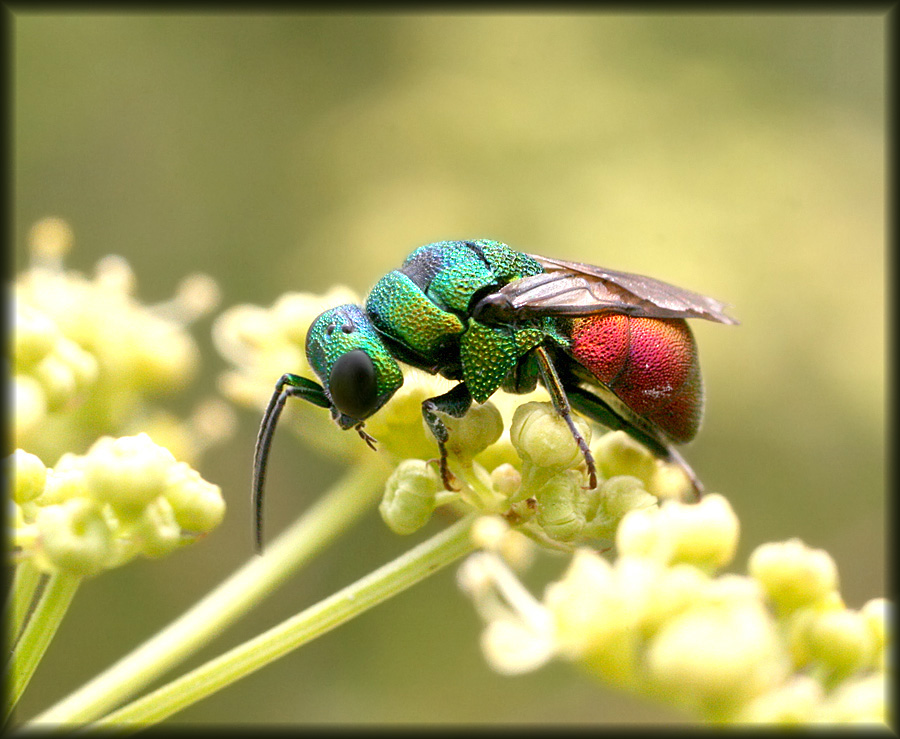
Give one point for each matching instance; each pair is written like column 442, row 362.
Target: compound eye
column 352, row 385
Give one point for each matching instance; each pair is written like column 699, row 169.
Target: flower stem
column 350, row 497
column 25, row 585
column 385, row 582
column 39, row 632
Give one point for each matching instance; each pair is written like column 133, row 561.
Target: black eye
column 352, row 384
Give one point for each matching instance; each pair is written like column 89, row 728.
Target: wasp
column 613, row 346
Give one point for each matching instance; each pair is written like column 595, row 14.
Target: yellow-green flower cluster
column 776, row 646
column 125, row 497
column 531, row 471
column 88, row 354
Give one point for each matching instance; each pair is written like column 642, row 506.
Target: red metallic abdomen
column 650, row 364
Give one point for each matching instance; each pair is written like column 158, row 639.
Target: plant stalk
column 340, row 507
column 376, row 587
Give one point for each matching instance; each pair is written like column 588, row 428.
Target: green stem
column 351, row 496
column 25, row 585
column 385, row 582
column 39, row 632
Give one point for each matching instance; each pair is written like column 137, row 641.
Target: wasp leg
column 561, row 404
column 456, row 403
column 596, row 408
column 675, row 456
column 288, row 386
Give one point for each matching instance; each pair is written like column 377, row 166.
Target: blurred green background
column 739, row 156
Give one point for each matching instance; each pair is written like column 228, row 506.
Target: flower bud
column 673, row 591
column 697, row 656
column 729, row 588
column 30, row 476
column 541, row 436
column 50, row 239
column 58, row 381
column 494, row 534
column 198, row 294
column 792, row 574
column 614, row 498
column 559, row 512
column 127, row 472
column 410, row 496
column 114, row 274
column 512, row 648
column 83, row 365
column 164, row 356
column 16, row 520
column 634, row 579
column 860, row 701
column 639, row 534
column 506, row 479
column 488, row 532
column 670, row 481
column 399, row 427
column 794, row 702
column 474, row 579
column 584, row 606
column 707, row 533
column 474, row 432
column 616, row 453
column 35, row 334
column 64, row 482
column 877, row 614
column 243, row 330
column 703, row 534
column 74, row 537
column 157, row 529
column 798, row 624
column 30, row 405
column 517, row 550
column 293, row 313
column 197, row 505
column 841, row 640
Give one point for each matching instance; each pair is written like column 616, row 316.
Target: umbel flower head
column 88, row 356
column 776, row 646
column 125, row 497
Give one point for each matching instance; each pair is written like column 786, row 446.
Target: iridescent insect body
column 612, row 345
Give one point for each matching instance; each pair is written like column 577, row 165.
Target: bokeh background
column 737, row 155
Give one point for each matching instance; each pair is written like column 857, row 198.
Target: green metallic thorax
column 423, row 313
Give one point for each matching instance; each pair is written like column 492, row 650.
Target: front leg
column 456, row 402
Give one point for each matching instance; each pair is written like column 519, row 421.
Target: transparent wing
column 576, row 289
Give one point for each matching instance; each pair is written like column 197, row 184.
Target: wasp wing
column 576, row 289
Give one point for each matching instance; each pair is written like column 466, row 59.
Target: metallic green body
column 420, row 314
